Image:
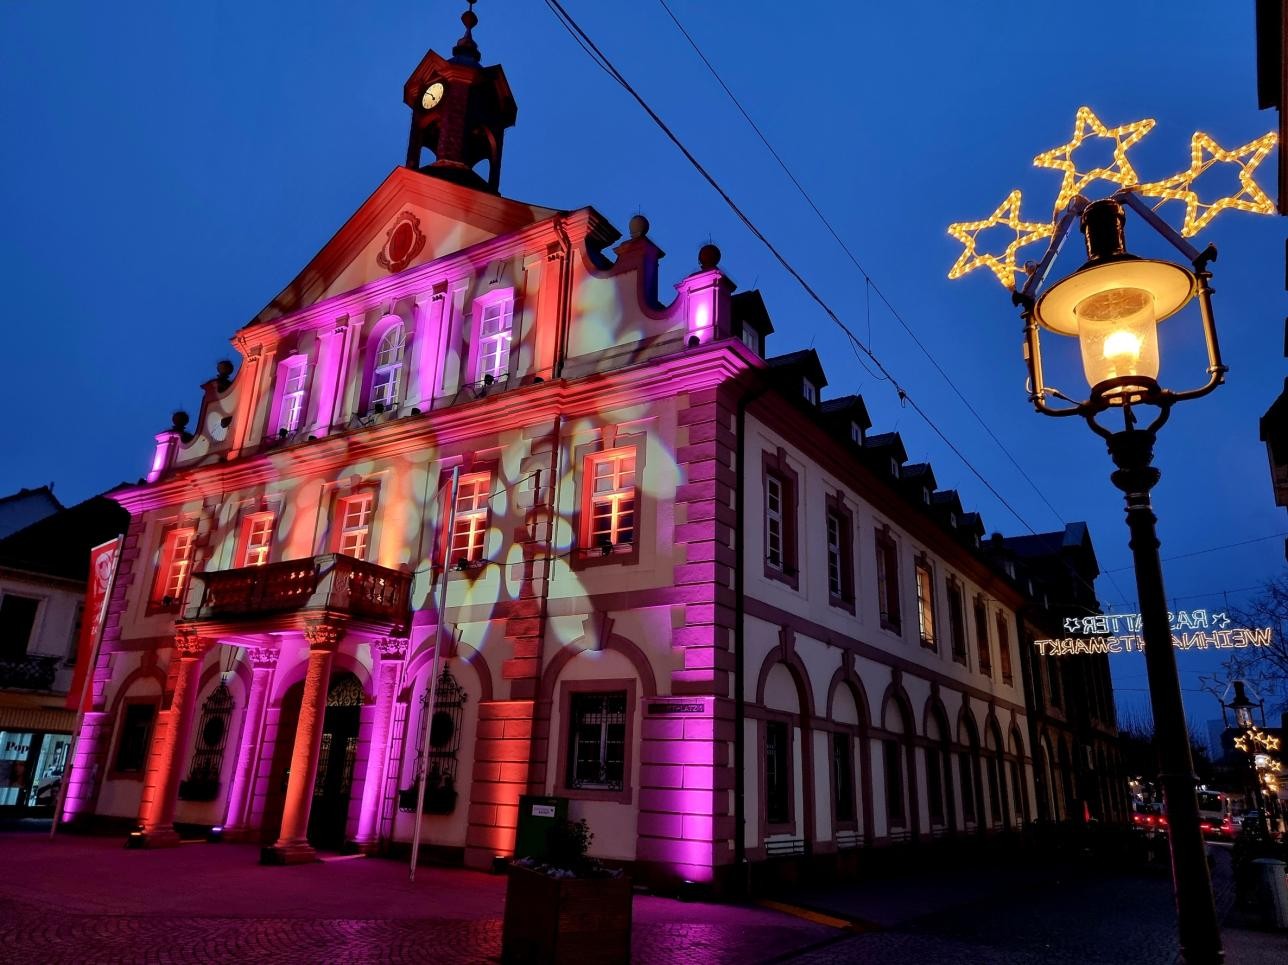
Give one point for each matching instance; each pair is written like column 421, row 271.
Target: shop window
column 135, row 735
column 293, row 378
column 888, row 581
column 387, row 371
column 843, row 776
column 15, row 752
column 256, row 539
column 896, row 810
column 778, row 785
column 17, row 621
column 495, row 321
column 202, row 783
column 925, row 604
column 957, row 620
column 353, row 513
column 51, row 766
column 174, row 566
column 983, row 647
column 611, row 501
column 470, row 518
column 597, row 741
column 1004, row 648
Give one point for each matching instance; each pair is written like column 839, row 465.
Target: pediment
column 411, row 219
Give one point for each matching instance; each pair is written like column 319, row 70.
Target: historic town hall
column 668, row 583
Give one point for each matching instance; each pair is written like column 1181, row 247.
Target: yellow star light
column 1180, row 187
column 1003, row 266
column 1121, row 172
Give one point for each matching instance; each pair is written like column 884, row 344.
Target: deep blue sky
column 167, row 168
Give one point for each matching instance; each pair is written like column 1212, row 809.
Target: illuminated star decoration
column 1121, row 172
column 1256, row 738
column 1180, row 187
column 1003, row 265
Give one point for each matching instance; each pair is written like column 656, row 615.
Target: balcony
column 31, row 672
column 281, row 595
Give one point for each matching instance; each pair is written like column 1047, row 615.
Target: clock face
column 433, row 95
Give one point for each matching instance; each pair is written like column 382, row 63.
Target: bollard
column 1272, row 892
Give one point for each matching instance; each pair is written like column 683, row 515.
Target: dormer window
column 810, row 391
column 952, row 520
column 750, row 338
column 925, row 495
column 856, row 433
column 894, row 468
column 1010, row 569
column 975, row 540
column 494, row 321
column 387, row 375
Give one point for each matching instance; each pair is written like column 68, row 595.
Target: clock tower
column 459, row 114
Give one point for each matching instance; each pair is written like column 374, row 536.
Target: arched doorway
column 329, row 812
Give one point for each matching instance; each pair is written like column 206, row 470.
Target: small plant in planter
column 568, row 907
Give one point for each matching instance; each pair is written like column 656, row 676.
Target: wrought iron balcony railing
column 31, row 672
column 332, row 582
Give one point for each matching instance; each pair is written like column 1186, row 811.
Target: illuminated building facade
column 682, row 591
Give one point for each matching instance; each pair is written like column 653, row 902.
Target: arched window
column 994, row 763
column 202, row 783
column 387, row 373
column 1019, row 795
column 292, row 376
column 968, row 772
column 939, row 773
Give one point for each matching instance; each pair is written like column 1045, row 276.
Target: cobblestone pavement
column 88, row 900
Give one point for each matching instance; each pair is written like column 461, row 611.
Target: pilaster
column 263, row 663
column 393, row 654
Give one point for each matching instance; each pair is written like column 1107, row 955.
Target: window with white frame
column 888, row 581
column 750, row 338
column 957, row 620
column 856, row 433
column 257, row 539
column 774, row 530
column 495, row 326
column 174, row 565
column 470, row 522
column 387, row 373
column 835, row 580
column 354, row 516
column 612, row 499
column 810, row 391
column 290, row 412
column 925, row 603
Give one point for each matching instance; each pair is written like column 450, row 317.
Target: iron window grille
column 597, row 739
column 444, row 747
column 202, row 783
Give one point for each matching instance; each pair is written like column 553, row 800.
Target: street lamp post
column 1113, row 305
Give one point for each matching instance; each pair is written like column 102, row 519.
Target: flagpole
column 88, row 684
column 432, row 695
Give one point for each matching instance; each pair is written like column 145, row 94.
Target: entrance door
column 330, row 810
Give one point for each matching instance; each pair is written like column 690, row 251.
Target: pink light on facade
column 163, row 457
column 705, row 297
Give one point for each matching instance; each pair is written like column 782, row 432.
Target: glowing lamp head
column 1113, row 304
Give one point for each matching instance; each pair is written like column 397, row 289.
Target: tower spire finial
column 466, row 50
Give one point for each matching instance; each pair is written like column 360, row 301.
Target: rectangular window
column 17, row 620
column 888, row 581
column 925, row 604
column 470, row 521
column 612, row 500
column 291, row 409
column 966, row 770
column 354, row 516
column 750, row 338
column 895, row 810
column 597, row 741
column 495, row 327
column 982, row 645
column 136, row 733
column 843, row 776
column 957, row 621
column 994, row 787
column 1004, row 648
column 777, row 779
column 774, row 530
column 174, row 567
column 835, row 584
column 935, row 785
column 257, row 539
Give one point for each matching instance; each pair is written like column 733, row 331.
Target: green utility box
column 537, row 815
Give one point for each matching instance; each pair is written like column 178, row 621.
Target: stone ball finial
column 470, row 19
column 708, row 256
column 639, row 226
column 179, row 420
column 224, row 369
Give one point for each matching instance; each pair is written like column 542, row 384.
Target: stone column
column 292, row 845
column 263, row 662
column 169, row 741
column 392, row 653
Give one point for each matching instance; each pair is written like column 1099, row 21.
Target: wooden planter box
column 585, row 921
